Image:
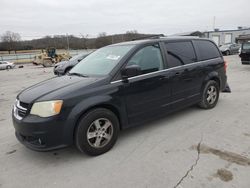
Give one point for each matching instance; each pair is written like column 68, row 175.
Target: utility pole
column 112, row 39
column 67, row 40
column 214, row 23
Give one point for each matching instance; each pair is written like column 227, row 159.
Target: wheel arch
column 212, row 76
column 107, row 106
column 87, row 105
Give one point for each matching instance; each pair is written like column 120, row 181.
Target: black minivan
column 116, row 87
column 245, row 53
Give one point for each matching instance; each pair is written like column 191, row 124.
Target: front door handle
column 163, row 78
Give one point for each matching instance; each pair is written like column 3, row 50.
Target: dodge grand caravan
column 116, row 87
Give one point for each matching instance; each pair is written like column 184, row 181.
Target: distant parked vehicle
column 245, row 53
column 6, row 65
column 229, row 49
column 63, row 67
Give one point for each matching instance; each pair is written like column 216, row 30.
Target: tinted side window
column 246, row 46
column 180, row 53
column 206, row 50
column 148, row 58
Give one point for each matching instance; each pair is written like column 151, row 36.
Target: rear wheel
column 227, row 52
column 97, row 132
column 210, row 95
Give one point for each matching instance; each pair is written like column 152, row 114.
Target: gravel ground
column 191, row 148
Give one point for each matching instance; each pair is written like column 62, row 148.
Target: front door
column 147, row 94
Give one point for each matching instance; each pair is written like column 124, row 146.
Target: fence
column 28, row 57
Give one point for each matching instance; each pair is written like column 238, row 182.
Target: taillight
column 225, row 66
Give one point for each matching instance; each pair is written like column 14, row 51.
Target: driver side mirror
column 130, row 71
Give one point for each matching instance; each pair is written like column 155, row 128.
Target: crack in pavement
column 193, row 165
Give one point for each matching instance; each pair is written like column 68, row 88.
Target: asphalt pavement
column 192, row 148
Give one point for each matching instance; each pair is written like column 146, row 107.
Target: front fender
column 79, row 109
column 85, row 104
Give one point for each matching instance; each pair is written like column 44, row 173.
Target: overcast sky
column 37, row 18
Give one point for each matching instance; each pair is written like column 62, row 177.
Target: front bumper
column 41, row 134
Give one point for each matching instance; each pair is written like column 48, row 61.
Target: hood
column 54, row 85
column 224, row 48
column 61, row 63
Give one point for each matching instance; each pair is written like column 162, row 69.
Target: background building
column 226, row 36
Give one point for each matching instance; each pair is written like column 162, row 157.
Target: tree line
column 11, row 41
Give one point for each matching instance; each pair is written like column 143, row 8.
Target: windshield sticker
column 113, row 57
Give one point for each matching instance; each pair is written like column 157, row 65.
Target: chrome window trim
column 168, row 69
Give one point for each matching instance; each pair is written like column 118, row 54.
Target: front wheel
column 47, row 63
column 210, row 95
column 227, row 52
column 97, row 131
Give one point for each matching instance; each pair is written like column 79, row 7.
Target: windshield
column 225, row 46
column 246, row 46
column 102, row 61
column 76, row 57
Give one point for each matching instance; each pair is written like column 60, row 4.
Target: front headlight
column 46, row 108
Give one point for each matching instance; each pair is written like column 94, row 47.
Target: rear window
column 180, row 53
column 246, row 46
column 206, row 50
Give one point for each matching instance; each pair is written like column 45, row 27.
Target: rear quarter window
column 246, row 46
column 206, row 50
column 180, row 53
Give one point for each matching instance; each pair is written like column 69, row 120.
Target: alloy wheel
column 211, row 94
column 100, row 133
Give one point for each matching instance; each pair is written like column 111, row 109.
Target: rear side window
column 206, row 50
column 180, row 53
column 246, row 46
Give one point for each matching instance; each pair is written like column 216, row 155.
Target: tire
column 47, row 63
column 228, row 52
column 210, row 95
column 90, row 131
column 8, row 67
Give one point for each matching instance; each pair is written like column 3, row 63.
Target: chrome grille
column 20, row 109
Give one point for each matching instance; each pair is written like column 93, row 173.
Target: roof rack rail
column 150, row 37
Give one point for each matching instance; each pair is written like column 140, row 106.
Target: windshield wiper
column 77, row 74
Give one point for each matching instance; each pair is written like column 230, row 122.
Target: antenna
column 214, row 22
